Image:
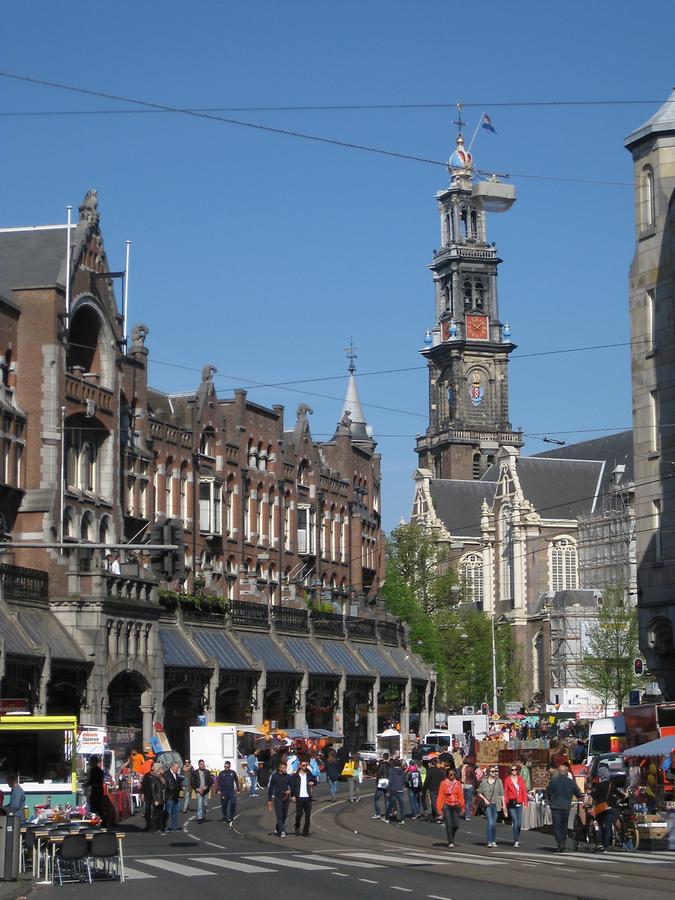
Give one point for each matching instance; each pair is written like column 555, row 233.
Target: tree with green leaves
column 606, row 664
column 423, row 564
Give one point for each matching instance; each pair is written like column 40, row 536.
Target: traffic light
column 639, row 666
column 167, row 564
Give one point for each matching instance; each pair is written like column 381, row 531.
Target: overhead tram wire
column 287, row 132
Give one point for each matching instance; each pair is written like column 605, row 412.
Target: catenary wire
column 287, row 132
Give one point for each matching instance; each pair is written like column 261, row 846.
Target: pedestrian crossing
column 266, row 864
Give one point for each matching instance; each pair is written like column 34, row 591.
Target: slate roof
column 662, row 122
column 458, row 503
column 560, row 488
column 33, row 258
column 16, row 641
column 343, row 658
column 407, row 662
column 612, row 449
column 378, row 660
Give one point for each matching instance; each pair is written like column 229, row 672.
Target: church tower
column 468, row 349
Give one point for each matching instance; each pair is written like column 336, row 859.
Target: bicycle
column 585, row 828
column 625, row 832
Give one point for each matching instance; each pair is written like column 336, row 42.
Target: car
column 429, row 750
column 618, row 771
column 368, row 753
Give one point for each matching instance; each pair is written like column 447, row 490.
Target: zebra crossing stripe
column 390, row 860
column 130, row 873
column 168, row 866
column 236, row 864
column 290, row 863
column 347, row 862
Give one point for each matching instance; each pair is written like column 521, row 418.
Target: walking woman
column 491, row 792
column 450, row 804
column 515, row 795
column 333, row 769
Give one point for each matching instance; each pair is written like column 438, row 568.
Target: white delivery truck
column 215, row 744
column 460, row 728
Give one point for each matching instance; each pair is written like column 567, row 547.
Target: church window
column 506, row 580
column 468, row 294
column 648, row 211
column 474, row 225
column 448, row 229
column 465, row 222
column 479, row 294
column 563, row 565
column 471, row 577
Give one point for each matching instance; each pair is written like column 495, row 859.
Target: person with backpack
column 395, row 792
column 432, row 783
column 381, row 787
column 414, row 784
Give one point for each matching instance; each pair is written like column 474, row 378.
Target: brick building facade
column 275, row 613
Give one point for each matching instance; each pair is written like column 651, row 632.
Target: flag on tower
column 487, row 123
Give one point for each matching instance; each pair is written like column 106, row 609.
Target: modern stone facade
column 652, row 309
column 275, row 613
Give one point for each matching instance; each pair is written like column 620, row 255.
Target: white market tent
column 661, row 747
column 390, row 740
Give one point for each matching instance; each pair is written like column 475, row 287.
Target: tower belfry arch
column 468, row 348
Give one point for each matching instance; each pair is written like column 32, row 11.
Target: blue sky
column 263, row 254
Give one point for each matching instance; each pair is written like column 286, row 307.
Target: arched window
column 229, row 505
column 506, row 580
column 303, row 472
column 248, row 506
column 252, row 455
column 184, row 492
column 72, row 476
column 104, row 530
column 271, row 530
column 479, row 293
column 563, row 565
column 88, row 467
column 168, row 487
column 471, row 577
column 207, row 442
column 259, row 511
column 68, row 522
column 85, row 526
column 468, row 294
column 648, row 205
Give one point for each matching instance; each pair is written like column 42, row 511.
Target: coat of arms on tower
column 476, row 391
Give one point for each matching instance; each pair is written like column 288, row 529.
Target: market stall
column 654, row 792
column 390, row 741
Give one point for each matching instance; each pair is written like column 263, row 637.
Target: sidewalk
column 13, row 890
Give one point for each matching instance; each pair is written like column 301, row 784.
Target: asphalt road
column 350, row 854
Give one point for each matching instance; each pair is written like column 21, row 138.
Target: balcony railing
column 287, row 618
column 243, row 612
column 364, row 628
column 19, row 583
column 327, row 623
column 388, row 632
column 119, row 587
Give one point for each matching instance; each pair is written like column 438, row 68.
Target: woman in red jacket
column 450, row 804
column 515, row 798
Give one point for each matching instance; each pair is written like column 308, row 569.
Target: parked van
column 607, row 735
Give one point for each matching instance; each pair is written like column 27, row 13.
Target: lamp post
column 494, row 665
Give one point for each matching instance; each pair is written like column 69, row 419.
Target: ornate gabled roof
column 662, row 122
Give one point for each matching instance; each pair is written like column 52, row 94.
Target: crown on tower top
column 461, row 161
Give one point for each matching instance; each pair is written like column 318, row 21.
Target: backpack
column 414, row 781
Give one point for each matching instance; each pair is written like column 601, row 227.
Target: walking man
column 187, row 773
column 302, row 786
column 172, row 791
column 202, row 780
column 381, row 787
column 252, row 772
column 559, row 793
column 279, row 796
column 432, row 783
column 227, row 785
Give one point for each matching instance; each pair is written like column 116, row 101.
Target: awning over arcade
column 342, row 656
column 16, row 641
column 379, row 661
column 262, row 647
column 177, row 651
column 45, row 630
column 216, row 643
column 305, row 654
column 408, row 663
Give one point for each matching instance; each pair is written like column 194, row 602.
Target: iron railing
column 19, row 583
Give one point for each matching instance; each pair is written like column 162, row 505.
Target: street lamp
column 494, row 664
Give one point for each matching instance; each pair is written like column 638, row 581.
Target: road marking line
column 369, row 881
column 134, row 873
column 340, row 874
column 436, row 897
column 168, row 866
column 395, row 887
column 345, row 862
column 292, row 864
column 409, row 861
column 218, row 846
column 236, row 864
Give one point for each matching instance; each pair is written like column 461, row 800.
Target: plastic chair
column 73, row 855
column 104, row 850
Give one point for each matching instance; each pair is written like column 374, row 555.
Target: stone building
column 273, row 610
column 652, row 307
column 524, row 533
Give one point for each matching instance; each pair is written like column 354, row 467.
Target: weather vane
column 351, row 355
column 459, row 122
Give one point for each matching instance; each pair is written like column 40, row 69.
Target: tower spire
column 352, row 420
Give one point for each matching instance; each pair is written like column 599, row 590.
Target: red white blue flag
column 487, row 124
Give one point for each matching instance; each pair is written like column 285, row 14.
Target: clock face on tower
column 476, row 328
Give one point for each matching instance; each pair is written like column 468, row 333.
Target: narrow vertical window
column 654, row 419
column 648, row 206
column 656, row 521
column 650, row 330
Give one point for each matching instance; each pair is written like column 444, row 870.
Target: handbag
column 348, row 770
column 383, row 784
column 599, row 808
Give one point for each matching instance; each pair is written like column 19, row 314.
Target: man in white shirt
column 302, row 785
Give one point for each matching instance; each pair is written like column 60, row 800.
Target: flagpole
column 480, row 122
